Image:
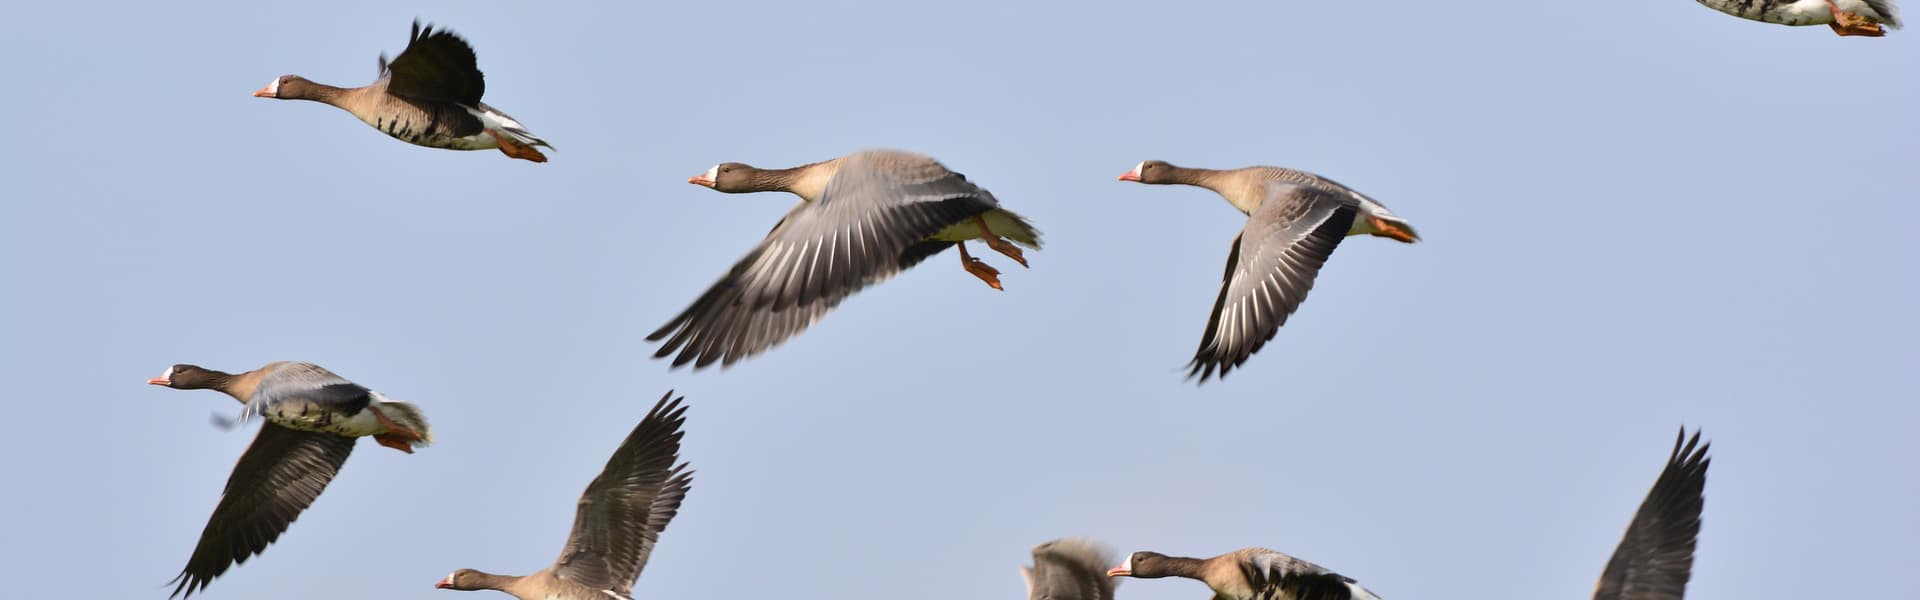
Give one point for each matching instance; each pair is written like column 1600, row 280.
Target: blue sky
column 1635, row 217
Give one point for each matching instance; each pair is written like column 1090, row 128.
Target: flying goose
column 1294, row 221
column 428, row 96
column 1655, row 558
column 1069, row 569
column 1846, row 17
column 312, row 419
column 618, row 521
column 863, row 218
column 1248, row 574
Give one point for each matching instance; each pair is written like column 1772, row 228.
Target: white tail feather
column 410, row 417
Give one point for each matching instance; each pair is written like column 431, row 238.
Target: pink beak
column 159, row 381
column 1120, row 571
column 1130, row 176
column 265, row 92
column 700, row 179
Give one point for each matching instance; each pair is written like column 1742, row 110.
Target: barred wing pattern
column 1270, row 269
column 870, row 223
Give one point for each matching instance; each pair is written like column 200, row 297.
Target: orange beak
column 442, row 584
column 159, row 381
column 1129, row 176
column 1119, row 572
column 700, row 179
column 265, row 92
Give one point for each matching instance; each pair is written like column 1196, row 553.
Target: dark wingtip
column 187, row 585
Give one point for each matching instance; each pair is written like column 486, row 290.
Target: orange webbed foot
column 998, row 244
column 515, row 149
column 979, row 269
column 394, row 441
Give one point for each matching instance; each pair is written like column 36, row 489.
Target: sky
column 1635, row 218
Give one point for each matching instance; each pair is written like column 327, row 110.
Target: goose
column 428, row 96
column 1846, row 17
column 1248, row 574
column 1069, row 569
column 861, row 219
column 618, row 520
column 312, row 419
column 1655, row 558
column 1294, row 221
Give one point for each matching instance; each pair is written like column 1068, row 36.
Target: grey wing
column 1889, row 12
column 871, row 223
column 1070, row 569
column 436, row 66
column 1655, row 559
column 1277, row 576
column 299, row 383
column 278, row 476
column 1269, row 272
column 621, row 514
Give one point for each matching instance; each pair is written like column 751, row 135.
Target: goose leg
column 1845, row 23
column 1391, row 230
column 515, row 149
column 979, row 269
column 1000, row 245
column 396, row 437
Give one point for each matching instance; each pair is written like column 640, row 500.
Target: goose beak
column 708, row 178
column 442, row 585
column 1129, row 176
column 265, row 92
column 1120, row 571
column 159, row 381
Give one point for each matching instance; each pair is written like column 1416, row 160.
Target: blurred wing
column 870, row 223
column 1069, row 569
column 1277, row 576
column 306, row 384
column 1655, row 559
column 279, row 476
column 622, row 513
column 437, row 66
column 1269, row 272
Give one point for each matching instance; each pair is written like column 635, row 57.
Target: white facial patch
column 274, row 87
column 713, row 174
column 1135, row 173
column 167, row 374
column 1128, row 565
column 449, row 580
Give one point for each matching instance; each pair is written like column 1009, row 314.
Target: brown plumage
column 428, row 96
column 313, row 419
column 1295, row 220
column 618, row 520
column 1248, row 574
column 862, row 219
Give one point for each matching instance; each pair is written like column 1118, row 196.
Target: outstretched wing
column 1269, row 272
column 436, row 66
column 1069, row 569
column 622, row 513
column 1655, row 559
column 277, row 478
column 872, row 222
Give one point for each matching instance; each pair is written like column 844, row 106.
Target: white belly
column 359, row 424
column 999, row 221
